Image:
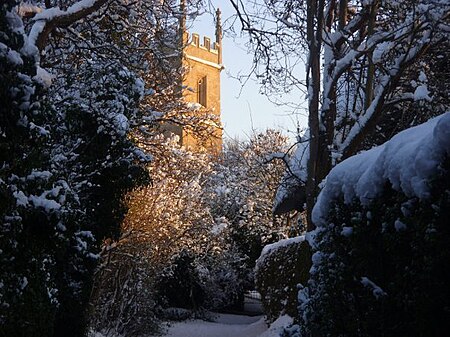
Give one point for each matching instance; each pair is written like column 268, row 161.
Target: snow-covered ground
column 226, row 325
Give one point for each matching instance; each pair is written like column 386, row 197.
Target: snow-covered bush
column 45, row 250
column 171, row 243
column 281, row 267
column 382, row 245
column 123, row 299
column 164, row 218
column 227, row 277
column 93, row 149
column 192, row 281
column 67, row 161
column 243, row 188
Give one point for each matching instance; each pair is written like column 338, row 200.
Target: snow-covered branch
column 368, row 120
column 49, row 19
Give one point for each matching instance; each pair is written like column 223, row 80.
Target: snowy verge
column 407, row 162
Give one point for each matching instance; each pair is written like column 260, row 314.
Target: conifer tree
column 67, row 162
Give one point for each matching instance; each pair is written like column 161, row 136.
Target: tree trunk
column 314, row 36
column 371, row 66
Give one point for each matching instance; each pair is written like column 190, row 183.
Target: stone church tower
column 202, row 61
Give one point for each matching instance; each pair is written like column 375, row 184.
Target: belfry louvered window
column 202, row 91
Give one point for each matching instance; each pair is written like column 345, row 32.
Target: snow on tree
column 243, row 188
column 25, row 186
column 183, row 240
column 380, row 248
column 357, row 54
column 71, row 99
column 407, row 162
column 169, row 253
column 171, row 212
column 41, row 210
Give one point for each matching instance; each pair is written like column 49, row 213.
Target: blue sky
column 244, row 108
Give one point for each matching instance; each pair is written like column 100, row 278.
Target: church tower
column 202, row 61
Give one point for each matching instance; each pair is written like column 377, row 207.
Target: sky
column 244, row 108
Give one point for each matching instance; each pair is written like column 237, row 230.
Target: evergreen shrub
column 382, row 270
column 278, row 274
column 180, row 283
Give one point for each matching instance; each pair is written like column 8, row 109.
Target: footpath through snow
column 227, row 325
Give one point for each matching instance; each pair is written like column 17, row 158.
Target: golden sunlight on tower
column 202, row 62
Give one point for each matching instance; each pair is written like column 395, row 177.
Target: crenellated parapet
column 201, row 47
column 202, row 64
column 192, row 45
column 206, row 44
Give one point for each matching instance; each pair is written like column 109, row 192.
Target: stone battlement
column 194, row 40
column 205, row 51
column 202, row 62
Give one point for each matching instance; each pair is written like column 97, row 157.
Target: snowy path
column 226, row 325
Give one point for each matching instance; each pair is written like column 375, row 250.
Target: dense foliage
column 186, row 237
column 279, row 272
column 168, row 254
column 25, row 256
column 247, row 177
column 370, row 67
column 382, row 244
column 67, row 163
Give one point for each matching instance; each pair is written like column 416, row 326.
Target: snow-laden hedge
column 281, row 267
column 382, row 244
